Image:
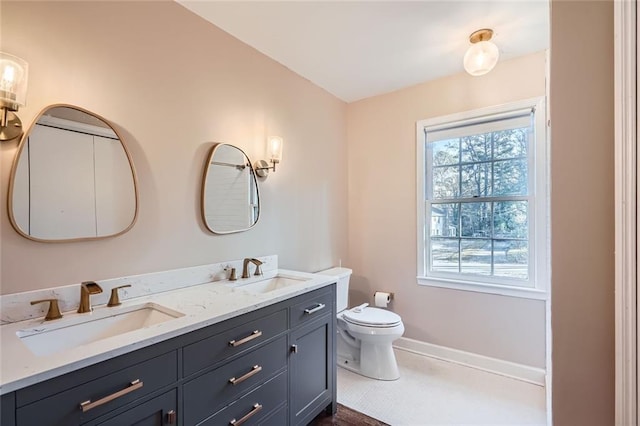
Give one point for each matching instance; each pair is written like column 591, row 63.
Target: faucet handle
column 54, row 309
column 114, row 300
column 232, row 275
column 258, row 269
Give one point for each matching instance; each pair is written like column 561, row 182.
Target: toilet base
column 379, row 363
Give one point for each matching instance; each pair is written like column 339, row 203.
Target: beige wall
column 582, row 213
column 382, row 216
column 173, row 84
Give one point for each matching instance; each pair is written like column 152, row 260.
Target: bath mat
column 346, row 417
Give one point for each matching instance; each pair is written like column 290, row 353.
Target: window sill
column 476, row 287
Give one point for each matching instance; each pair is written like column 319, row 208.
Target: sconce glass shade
column 13, row 81
column 275, row 148
column 481, row 57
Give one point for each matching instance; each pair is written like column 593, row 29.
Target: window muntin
column 479, row 215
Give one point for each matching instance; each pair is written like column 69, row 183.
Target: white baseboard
column 522, row 372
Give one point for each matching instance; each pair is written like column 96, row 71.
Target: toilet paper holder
column 381, row 299
column 390, row 295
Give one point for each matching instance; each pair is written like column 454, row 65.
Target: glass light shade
column 481, row 57
column 13, row 80
column 275, row 148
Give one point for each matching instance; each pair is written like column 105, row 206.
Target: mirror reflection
column 230, row 200
column 72, row 179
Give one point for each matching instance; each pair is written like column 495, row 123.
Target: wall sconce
column 483, row 54
column 13, row 92
column 274, row 148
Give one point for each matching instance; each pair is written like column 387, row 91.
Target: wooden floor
column 346, row 417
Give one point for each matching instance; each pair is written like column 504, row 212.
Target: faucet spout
column 245, row 267
column 87, row 288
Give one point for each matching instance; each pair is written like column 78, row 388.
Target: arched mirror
column 72, row 179
column 230, row 200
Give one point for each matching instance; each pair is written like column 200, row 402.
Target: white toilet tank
column 342, row 288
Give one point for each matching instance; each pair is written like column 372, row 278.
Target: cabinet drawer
column 105, row 394
column 256, row 404
column 278, row 418
column 157, row 411
column 317, row 305
column 215, row 349
column 212, row 391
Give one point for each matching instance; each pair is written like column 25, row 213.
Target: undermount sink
column 271, row 284
column 50, row 338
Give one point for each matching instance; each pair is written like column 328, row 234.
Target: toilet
column 365, row 334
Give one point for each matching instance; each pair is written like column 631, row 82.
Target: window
column 482, row 203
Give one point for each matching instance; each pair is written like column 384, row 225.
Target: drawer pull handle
column 88, row 405
column 254, row 335
column 255, row 370
column 256, row 407
column 318, row 307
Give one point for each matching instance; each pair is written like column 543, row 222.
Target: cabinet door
column 312, row 371
column 159, row 411
column 8, row 409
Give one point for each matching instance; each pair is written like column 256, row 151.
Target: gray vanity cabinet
column 312, row 360
column 272, row 366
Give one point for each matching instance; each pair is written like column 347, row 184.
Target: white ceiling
column 360, row 49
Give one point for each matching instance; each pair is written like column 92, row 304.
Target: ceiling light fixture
column 482, row 55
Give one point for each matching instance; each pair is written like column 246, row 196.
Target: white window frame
column 539, row 240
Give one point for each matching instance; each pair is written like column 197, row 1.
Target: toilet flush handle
column 359, row 309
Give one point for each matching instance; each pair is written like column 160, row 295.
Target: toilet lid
column 372, row 317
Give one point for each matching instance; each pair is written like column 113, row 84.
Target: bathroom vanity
column 272, row 364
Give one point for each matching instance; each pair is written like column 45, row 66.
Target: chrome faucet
column 245, row 267
column 87, row 288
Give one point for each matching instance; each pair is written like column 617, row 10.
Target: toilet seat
column 371, row 317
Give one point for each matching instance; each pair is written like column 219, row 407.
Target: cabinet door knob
column 294, row 349
column 171, row 417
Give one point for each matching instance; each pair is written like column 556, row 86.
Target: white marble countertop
column 202, row 305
